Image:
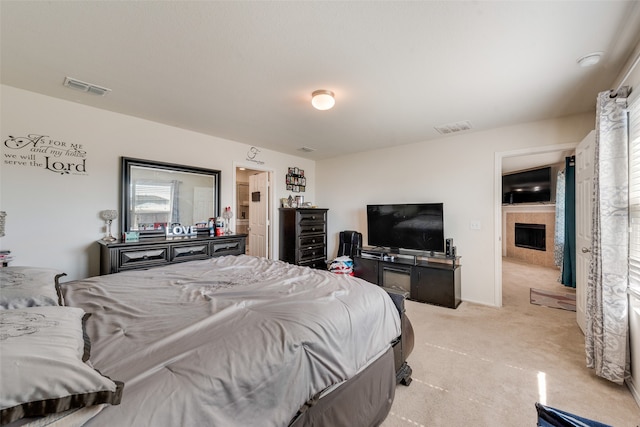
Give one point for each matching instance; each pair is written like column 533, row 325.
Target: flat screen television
column 417, row 226
column 531, row 186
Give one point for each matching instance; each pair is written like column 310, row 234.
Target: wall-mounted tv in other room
column 416, row 226
column 530, row 186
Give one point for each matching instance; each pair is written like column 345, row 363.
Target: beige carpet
column 484, row 366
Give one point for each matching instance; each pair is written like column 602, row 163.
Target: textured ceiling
column 245, row 71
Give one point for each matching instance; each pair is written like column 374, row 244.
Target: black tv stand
column 433, row 279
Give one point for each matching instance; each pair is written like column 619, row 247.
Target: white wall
column 53, row 219
column 457, row 170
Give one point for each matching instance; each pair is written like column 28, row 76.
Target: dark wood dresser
column 156, row 252
column 303, row 236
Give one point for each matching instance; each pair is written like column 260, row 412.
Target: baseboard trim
column 633, row 388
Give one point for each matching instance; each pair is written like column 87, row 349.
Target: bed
column 243, row 341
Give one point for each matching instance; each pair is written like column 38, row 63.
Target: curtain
column 607, row 327
column 558, row 240
column 569, row 258
column 175, row 202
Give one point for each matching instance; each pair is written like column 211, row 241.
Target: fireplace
column 536, row 216
column 531, row 236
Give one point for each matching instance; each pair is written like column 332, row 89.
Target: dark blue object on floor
column 551, row 417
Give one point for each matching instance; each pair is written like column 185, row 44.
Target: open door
column 584, row 187
column 258, row 214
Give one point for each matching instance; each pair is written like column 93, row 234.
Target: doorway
column 254, row 209
column 525, row 158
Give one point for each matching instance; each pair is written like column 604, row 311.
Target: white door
column 258, row 214
column 584, row 187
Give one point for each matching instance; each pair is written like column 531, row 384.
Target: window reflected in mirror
column 160, row 195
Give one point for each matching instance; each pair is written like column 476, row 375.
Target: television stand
column 429, row 279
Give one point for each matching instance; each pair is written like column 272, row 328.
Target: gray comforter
column 229, row 341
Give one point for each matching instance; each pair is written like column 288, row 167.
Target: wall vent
column 306, row 149
column 454, row 127
column 85, row 87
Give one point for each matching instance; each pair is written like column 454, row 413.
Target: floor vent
column 454, row 127
column 85, row 87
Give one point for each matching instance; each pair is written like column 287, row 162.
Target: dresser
column 303, row 236
column 156, row 252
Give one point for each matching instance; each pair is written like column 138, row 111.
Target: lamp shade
column 323, row 99
column 109, row 214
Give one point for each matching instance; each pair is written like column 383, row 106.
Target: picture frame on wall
column 295, row 179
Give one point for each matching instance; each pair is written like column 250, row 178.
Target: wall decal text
column 251, row 156
column 42, row 151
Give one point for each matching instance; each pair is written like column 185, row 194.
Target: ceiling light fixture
column 323, row 99
column 589, row 59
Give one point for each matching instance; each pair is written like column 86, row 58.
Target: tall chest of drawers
column 303, row 236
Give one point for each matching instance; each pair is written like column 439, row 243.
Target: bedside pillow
column 22, row 287
column 42, row 367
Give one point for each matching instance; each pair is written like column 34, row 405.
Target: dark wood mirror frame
column 130, row 169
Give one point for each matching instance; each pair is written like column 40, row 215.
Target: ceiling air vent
column 306, row 149
column 454, row 127
column 85, row 87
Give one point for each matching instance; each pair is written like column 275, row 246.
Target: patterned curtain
column 607, row 326
column 175, row 201
column 558, row 241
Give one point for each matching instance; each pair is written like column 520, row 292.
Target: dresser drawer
column 319, row 263
column 189, row 252
column 318, row 252
column 311, row 217
column 228, row 247
column 312, row 241
column 151, row 257
column 312, row 229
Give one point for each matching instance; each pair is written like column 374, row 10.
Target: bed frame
column 371, row 392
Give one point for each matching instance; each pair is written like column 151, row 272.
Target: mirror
column 156, row 195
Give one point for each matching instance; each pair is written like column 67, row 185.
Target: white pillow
column 22, row 287
column 43, row 367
